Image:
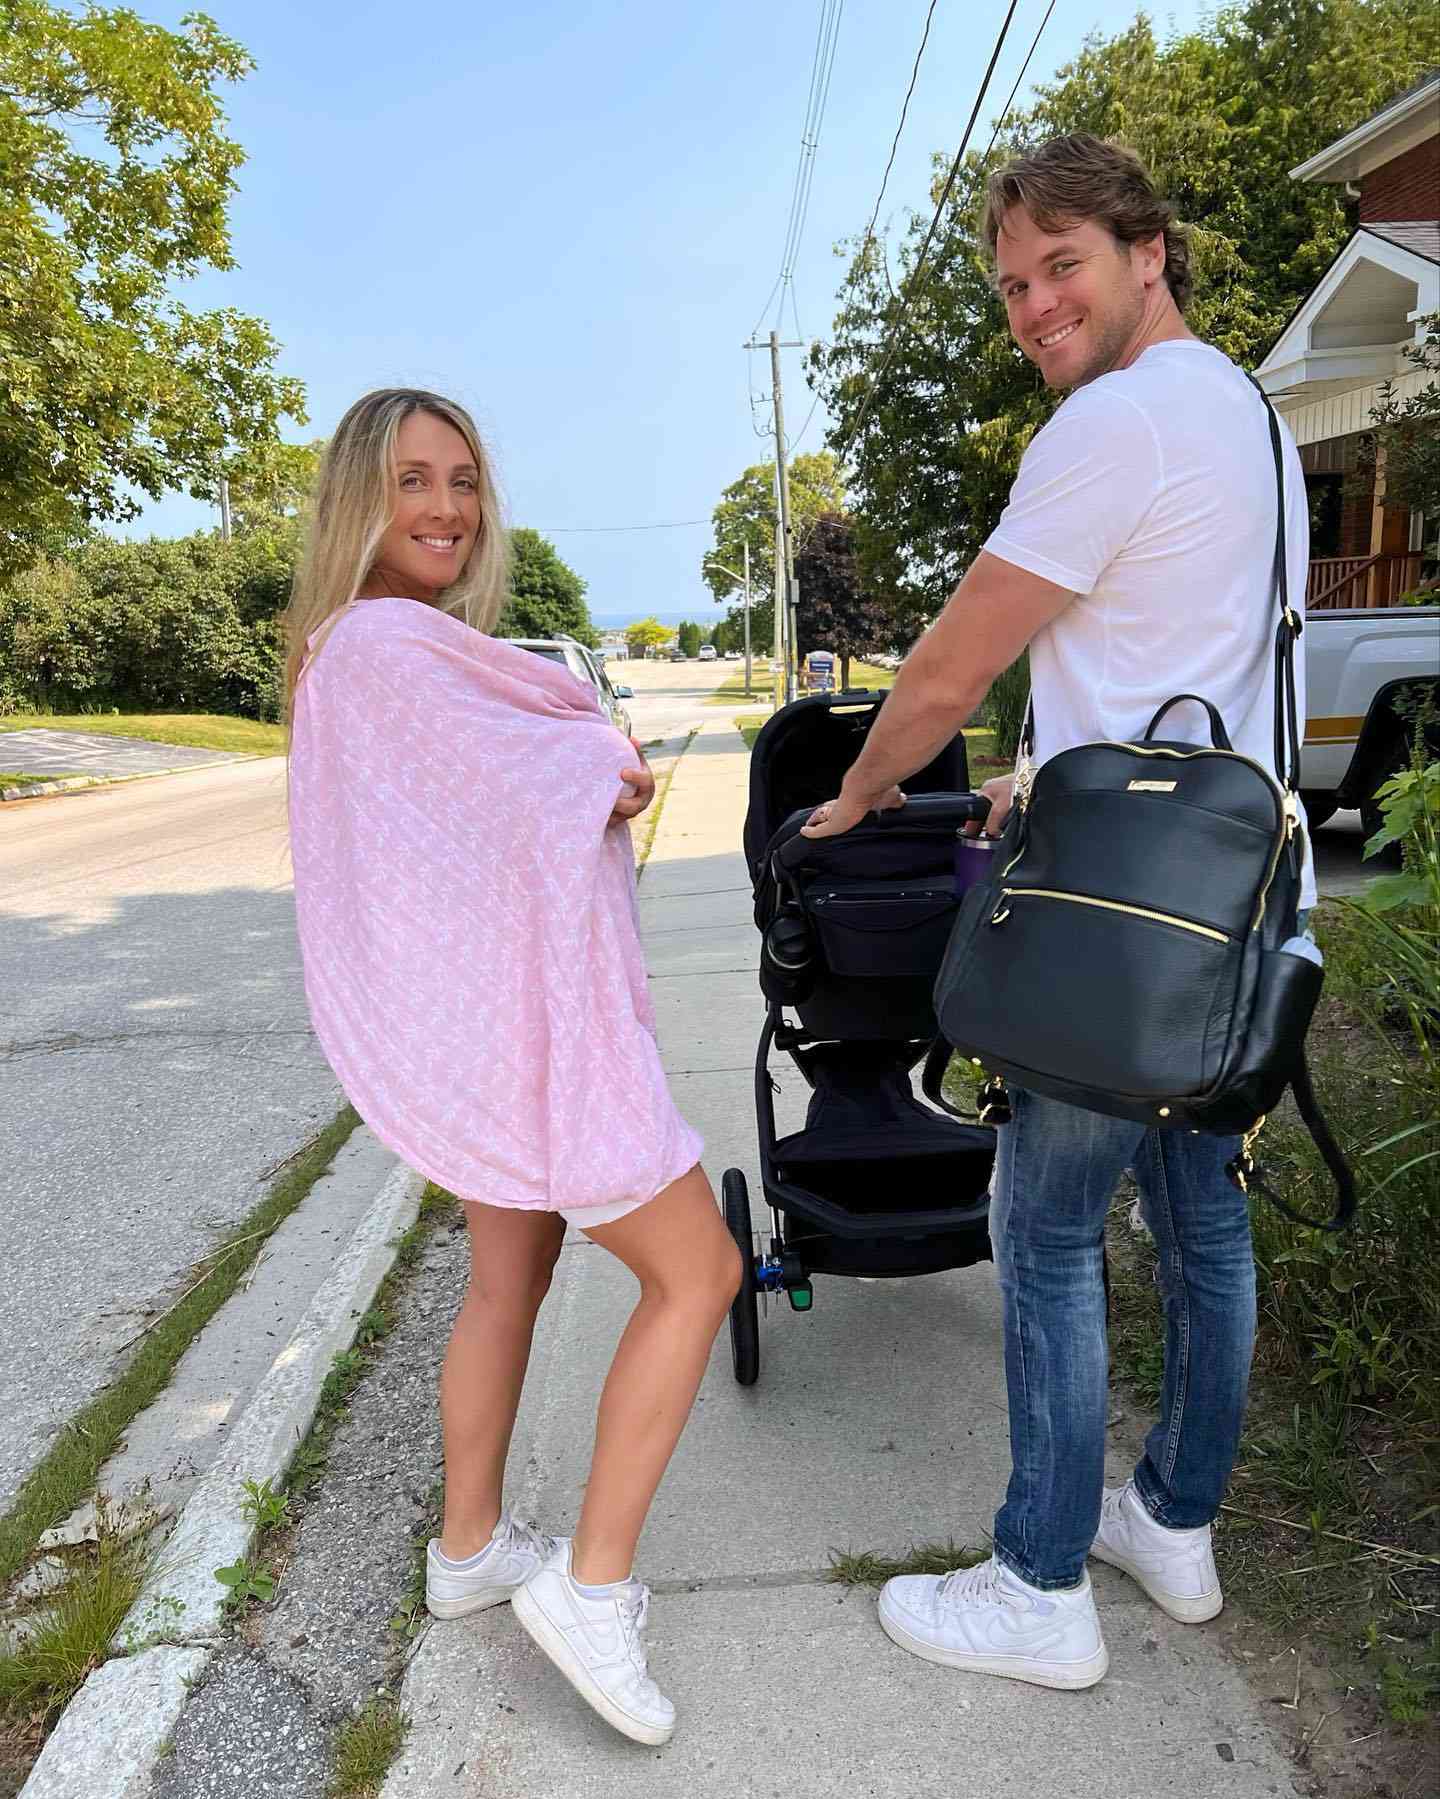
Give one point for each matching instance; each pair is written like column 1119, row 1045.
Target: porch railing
column 1344, row 583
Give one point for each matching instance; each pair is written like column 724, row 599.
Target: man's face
column 1076, row 298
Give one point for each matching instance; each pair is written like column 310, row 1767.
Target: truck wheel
column 1319, row 807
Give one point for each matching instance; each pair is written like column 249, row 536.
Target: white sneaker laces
column 634, row 1610
column 973, row 1586
column 521, row 1536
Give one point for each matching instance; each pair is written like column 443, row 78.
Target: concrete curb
column 78, row 783
column 114, row 1731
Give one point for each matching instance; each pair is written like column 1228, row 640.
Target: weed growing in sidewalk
column 365, row 1746
column 263, row 1507
column 71, row 1631
column 245, row 1581
column 865, row 1568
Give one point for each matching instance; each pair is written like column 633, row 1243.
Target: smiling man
column 1135, row 558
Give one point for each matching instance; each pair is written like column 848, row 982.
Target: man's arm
column 988, row 620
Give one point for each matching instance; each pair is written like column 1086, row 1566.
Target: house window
column 1326, row 494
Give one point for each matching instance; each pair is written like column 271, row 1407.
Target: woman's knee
column 705, row 1281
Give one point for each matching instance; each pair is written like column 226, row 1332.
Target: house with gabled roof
column 1325, row 370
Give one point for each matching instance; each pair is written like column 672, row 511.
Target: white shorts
column 585, row 1217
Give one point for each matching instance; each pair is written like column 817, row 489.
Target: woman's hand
column 631, row 805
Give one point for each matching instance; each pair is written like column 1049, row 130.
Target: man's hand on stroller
column 1001, row 794
column 837, row 816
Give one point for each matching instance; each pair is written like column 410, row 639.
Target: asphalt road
column 155, row 1063
column 672, row 697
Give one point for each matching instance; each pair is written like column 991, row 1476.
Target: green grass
column 1331, row 1525
column 365, row 1746
column 979, row 746
column 67, row 1473
column 864, row 1568
column 73, row 1631
column 191, row 730
column 27, row 777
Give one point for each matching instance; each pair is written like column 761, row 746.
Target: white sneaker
column 1175, row 1567
column 512, row 1555
column 598, row 1645
column 990, row 1621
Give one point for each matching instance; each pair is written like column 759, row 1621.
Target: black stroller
column 853, row 930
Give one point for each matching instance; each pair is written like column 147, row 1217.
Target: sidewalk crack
column 747, row 1583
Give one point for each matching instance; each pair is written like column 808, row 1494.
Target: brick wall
column 1407, row 188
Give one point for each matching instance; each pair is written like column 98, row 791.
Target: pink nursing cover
column 468, row 921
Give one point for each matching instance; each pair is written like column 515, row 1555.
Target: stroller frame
column 808, row 1177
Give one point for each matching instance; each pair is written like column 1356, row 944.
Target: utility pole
column 224, row 510
column 746, row 547
column 787, row 594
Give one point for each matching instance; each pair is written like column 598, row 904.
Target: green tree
column 271, row 484
column 836, row 612
column 115, row 175
column 547, row 597
column 1221, row 115
column 746, row 514
column 1407, row 435
column 647, row 634
column 687, row 637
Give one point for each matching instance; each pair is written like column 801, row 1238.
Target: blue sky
column 568, row 216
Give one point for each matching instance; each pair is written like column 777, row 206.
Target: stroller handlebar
column 928, row 811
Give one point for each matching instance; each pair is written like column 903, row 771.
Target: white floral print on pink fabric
column 467, row 915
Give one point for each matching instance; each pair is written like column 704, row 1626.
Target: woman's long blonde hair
column 352, row 508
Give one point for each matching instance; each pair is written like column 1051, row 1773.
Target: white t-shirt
column 1151, row 496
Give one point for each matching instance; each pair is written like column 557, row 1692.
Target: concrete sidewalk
column 878, row 1421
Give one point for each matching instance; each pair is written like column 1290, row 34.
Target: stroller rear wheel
column 744, row 1313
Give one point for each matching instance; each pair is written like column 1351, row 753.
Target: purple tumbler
column 972, row 861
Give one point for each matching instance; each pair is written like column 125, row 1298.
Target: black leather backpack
column 1135, row 950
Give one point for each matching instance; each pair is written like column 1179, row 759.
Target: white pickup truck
column 1356, row 666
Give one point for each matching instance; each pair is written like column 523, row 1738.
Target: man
column 1135, row 559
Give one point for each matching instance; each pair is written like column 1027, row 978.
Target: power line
column 879, row 199
column 895, row 141
column 911, row 283
column 821, row 69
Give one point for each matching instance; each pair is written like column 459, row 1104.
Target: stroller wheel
column 744, row 1314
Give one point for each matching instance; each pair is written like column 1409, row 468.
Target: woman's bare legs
column 512, row 1256
column 688, row 1268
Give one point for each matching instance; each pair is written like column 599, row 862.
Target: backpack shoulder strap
column 1248, row 1178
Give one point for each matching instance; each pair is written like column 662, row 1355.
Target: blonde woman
column 465, row 889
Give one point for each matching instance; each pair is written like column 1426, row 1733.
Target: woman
column 466, row 896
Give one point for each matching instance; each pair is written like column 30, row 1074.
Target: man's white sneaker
column 1175, row 1567
column 990, row 1621
column 598, row 1645
column 512, row 1555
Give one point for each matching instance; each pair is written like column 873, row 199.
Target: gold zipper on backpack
column 1287, row 807
column 1082, row 899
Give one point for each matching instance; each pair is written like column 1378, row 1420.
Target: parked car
column 1356, row 664
column 584, row 665
column 707, row 652
column 733, row 656
column 678, row 656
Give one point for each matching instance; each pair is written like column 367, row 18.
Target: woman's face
column 436, row 500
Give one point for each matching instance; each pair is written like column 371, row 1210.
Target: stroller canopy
column 802, row 754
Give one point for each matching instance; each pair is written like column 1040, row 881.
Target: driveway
column 45, row 752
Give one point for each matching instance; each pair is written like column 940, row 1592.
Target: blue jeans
column 1055, row 1173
